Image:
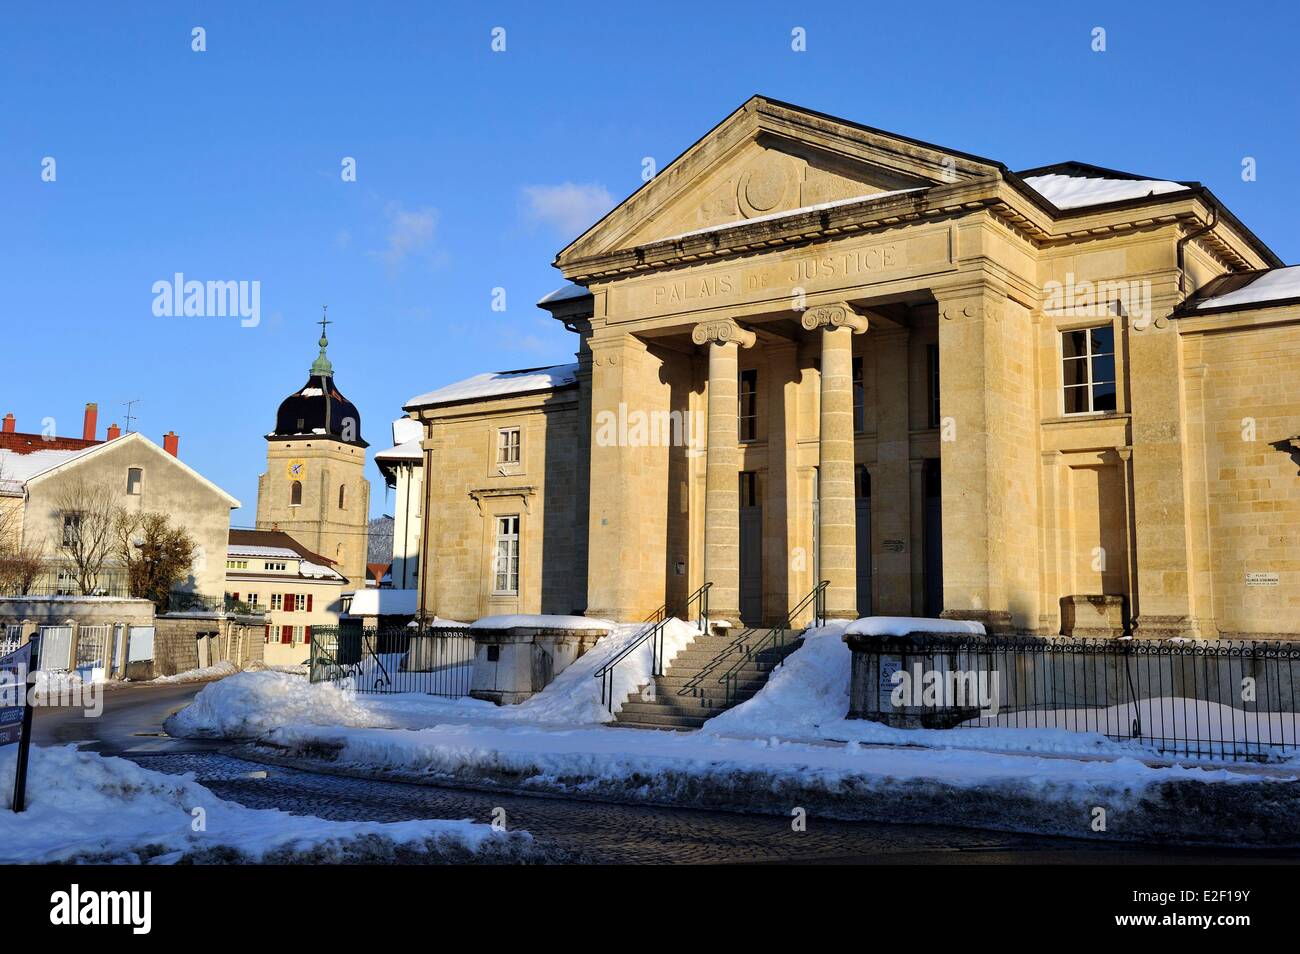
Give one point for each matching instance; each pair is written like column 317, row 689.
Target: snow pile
column 1073, row 192
column 220, row 670
column 84, row 807
column 255, row 703
column 906, row 625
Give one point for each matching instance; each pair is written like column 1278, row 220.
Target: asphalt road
column 131, row 726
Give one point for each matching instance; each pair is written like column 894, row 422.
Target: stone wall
column 194, row 641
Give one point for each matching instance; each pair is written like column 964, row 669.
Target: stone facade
column 811, row 350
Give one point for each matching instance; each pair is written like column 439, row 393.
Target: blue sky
column 475, row 167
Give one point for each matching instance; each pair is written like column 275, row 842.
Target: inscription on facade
column 782, row 277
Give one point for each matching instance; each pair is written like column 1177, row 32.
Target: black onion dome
column 318, row 409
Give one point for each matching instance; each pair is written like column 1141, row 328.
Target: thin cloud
column 409, row 231
column 569, row 207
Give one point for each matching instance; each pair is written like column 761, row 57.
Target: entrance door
column 864, row 541
column 933, row 555
column 751, row 551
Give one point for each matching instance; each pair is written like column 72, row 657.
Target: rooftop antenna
column 129, row 416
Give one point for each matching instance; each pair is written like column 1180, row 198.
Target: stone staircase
column 692, row 689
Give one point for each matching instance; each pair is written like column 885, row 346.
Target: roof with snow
column 1257, row 289
column 276, row 544
column 566, row 293
column 19, row 467
column 496, row 384
column 378, row 601
column 1078, row 186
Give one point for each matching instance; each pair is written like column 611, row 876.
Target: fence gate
column 92, row 652
column 56, row 648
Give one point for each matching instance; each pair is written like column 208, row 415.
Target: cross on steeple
column 322, row 366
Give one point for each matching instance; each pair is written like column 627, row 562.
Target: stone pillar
column 722, row 483
column 837, row 506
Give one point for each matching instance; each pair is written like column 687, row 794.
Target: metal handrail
column 776, row 638
column 653, row 630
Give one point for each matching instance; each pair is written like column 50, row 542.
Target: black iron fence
column 1217, row 699
column 436, row 660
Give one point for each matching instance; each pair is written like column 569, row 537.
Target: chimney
column 172, row 443
column 114, row 432
column 9, row 423
column 88, row 424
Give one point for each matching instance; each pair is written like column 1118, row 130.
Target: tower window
column 295, row 494
column 343, row 497
column 134, row 478
column 932, row 357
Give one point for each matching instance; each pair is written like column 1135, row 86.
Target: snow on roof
column 1074, row 192
column 410, row 450
column 17, row 469
column 566, row 293
column 244, row 550
column 821, row 206
column 375, row 601
column 1276, row 284
column 498, row 384
column 906, row 625
column 542, row 621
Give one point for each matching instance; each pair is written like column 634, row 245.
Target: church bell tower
column 315, row 487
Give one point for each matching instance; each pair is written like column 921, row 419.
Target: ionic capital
column 723, row 331
column 833, row 316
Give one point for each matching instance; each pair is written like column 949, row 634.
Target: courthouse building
column 1059, row 400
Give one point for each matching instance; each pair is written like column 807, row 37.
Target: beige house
column 36, row 471
column 402, row 466
column 269, row 572
column 1060, row 400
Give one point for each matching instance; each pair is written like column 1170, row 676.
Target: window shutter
column 308, row 604
column 267, row 636
column 288, row 602
column 307, row 629
column 286, row 634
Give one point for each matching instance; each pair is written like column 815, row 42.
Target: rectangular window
column 273, row 565
column 277, row 601
column 748, row 488
column 859, row 398
column 749, row 404
column 134, row 478
column 252, row 601
column 236, row 564
column 71, row 527
column 507, row 555
column 932, row 356
column 508, row 445
column 1088, row 370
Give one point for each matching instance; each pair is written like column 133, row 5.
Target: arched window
column 343, row 496
column 295, row 494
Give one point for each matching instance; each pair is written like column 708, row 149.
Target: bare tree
column 22, row 562
column 88, row 517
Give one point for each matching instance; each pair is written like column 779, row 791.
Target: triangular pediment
column 765, row 159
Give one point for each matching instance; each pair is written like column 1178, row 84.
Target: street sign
column 16, row 712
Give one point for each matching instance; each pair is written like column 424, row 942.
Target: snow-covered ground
column 85, row 807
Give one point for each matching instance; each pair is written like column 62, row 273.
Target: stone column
column 837, row 506
column 723, row 339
